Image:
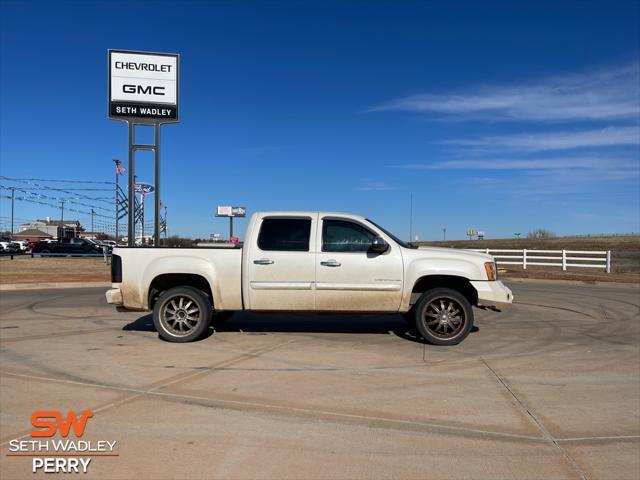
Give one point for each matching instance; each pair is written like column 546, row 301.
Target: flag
column 120, row 169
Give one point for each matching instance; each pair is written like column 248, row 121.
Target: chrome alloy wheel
column 444, row 317
column 181, row 315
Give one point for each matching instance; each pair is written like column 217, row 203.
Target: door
column 281, row 264
column 351, row 278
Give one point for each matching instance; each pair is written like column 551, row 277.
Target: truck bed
column 142, row 269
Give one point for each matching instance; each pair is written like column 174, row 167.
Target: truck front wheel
column 182, row 314
column 443, row 316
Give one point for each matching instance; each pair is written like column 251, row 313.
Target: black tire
column 443, row 316
column 221, row 317
column 182, row 314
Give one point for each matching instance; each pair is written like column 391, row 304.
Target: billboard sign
column 238, row 211
column 143, row 86
column 229, row 211
column 223, row 211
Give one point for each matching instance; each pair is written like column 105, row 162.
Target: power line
column 77, row 195
column 58, row 181
column 23, row 199
column 61, row 199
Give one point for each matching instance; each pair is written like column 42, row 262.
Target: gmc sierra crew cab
column 308, row 262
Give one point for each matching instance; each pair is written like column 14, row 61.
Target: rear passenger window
column 285, row 234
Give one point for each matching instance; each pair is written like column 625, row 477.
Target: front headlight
column 492, row 271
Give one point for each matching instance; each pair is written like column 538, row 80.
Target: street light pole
column 411, row 217
column 13, row 200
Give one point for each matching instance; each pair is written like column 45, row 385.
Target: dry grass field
column 617, row 244
column 24, row 269
column 629, row 243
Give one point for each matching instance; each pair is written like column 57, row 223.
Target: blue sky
column 502, row 116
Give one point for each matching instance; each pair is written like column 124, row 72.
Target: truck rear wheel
column 182, row 314
column 443, row 316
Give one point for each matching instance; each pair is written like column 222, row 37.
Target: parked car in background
column 69, row 246
column 9, row 245
column 24, row 245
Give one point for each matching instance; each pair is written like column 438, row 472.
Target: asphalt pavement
column 547, row 390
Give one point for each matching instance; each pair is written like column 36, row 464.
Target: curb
column 36, row 286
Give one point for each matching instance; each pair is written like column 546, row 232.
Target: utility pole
column 230, row 227
column 61, row 213
column 93, row 232
column 117, row 162
column 411, row 217
column 444, row 234
column 13, row 200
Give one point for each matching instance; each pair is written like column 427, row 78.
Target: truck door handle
column 263, row 261
column 330, row 263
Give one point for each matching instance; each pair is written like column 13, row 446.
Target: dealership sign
column 143, row 86
column 143, row 188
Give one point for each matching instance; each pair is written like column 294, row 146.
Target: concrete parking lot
column 550, row 389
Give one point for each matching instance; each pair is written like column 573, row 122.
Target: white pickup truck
column 308, row 262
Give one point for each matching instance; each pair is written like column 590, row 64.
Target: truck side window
column 285, row 234
column 341, row 236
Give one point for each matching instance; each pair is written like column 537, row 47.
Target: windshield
column 395, row 239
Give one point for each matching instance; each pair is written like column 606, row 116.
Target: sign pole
column 156, row 214
column 131, row 230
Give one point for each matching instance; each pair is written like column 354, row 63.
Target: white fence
column 551, row 258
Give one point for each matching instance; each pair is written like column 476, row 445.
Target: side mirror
column 378, row 245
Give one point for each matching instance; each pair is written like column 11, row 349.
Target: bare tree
column 541, row 233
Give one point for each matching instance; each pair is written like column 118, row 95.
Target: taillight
column 116, row 269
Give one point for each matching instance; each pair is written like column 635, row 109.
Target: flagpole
column 117, row 162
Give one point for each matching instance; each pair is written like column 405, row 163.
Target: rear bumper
column 114, row 296
column 493, row 294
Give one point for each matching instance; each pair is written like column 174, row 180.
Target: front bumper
column 493, row 294
column 114, row 296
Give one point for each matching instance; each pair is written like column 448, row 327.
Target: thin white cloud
column 604, row 94
column 374, row 186
column 594, row 138
column 263, row 149
column 561, row 163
